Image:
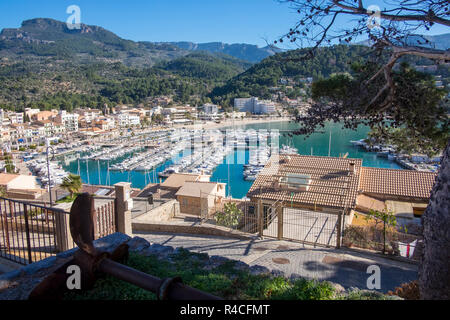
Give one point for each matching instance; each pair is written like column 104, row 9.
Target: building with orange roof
column 311, row 199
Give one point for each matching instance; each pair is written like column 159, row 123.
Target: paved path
column 342, row 266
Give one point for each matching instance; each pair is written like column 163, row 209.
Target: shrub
column 230, row 216
column 408, row 291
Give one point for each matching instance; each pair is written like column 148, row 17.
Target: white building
column 210, row 108
column 68, row 120
column 15, row 117
column 245, row 104
column 105, row 123
column 253, row 105
column 88, row 114
column 126, row 119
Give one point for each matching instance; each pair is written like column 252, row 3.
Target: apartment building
column 51, row 128
column 210, row 108
column 126, row 119
column 88, row 114
column 15, row 117
column 105, row 123
column 254, row 106
column 68, row 120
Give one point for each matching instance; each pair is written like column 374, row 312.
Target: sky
column 228, row 21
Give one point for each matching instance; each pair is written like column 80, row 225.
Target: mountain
column 247, row 52
column 259, row 80
column 43, row 37
column 205, row 65
column 440, row 42
column 45, row 64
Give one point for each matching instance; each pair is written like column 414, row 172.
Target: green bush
column 230, row 216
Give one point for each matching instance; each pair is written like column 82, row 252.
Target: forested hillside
column 258, row 80
column 43, row 64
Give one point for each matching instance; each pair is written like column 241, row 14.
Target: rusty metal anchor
column 94, row 263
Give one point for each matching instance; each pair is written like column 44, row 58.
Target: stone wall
column 164, row 212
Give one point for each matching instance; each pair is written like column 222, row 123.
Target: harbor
column 235, row 158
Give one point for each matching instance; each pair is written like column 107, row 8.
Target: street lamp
column 47, row 143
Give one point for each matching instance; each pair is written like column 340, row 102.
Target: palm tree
column 72, row 184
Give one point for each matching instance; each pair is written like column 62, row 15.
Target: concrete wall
column 197, row 229
column 24, row 194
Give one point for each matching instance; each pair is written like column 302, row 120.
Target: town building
column 254, row 105
column 44, row 115
column 210, row 108
column 30, row 112
column 68, row 120
column 324, row 194
column 88, row 114
column 125, row 119
column 16, row 117
column 20, row 186
column 200, row 198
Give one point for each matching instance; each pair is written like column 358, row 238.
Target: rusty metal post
column 341, row 215
column 27, row 234
column 279, row 212
column 5, row 226
column 260, row 218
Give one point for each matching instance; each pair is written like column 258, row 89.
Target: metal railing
column 106, row 221
column 31, row 232
column 28, row 232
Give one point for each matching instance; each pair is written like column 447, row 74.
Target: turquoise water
column 317, row 144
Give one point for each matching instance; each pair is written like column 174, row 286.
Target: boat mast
column 87, row 171
column 108, row 178
column 329, row 145
column 99, row 178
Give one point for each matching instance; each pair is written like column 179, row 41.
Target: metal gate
column 302, row 225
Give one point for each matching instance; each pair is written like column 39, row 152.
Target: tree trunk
column 434, row 269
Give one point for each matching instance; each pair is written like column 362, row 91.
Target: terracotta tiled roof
column 331, row 185
column 404, row 183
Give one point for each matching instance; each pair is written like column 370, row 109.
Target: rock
column 259, row 270
column 179, row 250
column 295, row 276
column 337, row 287
column 36, row 266
column 242, row 266
column 4, row 284
column 10, row 275
column 111, row 242
column 159, row 250
column 277, row 273
column 138, row 244
column 67, row 254
column 218, row 260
